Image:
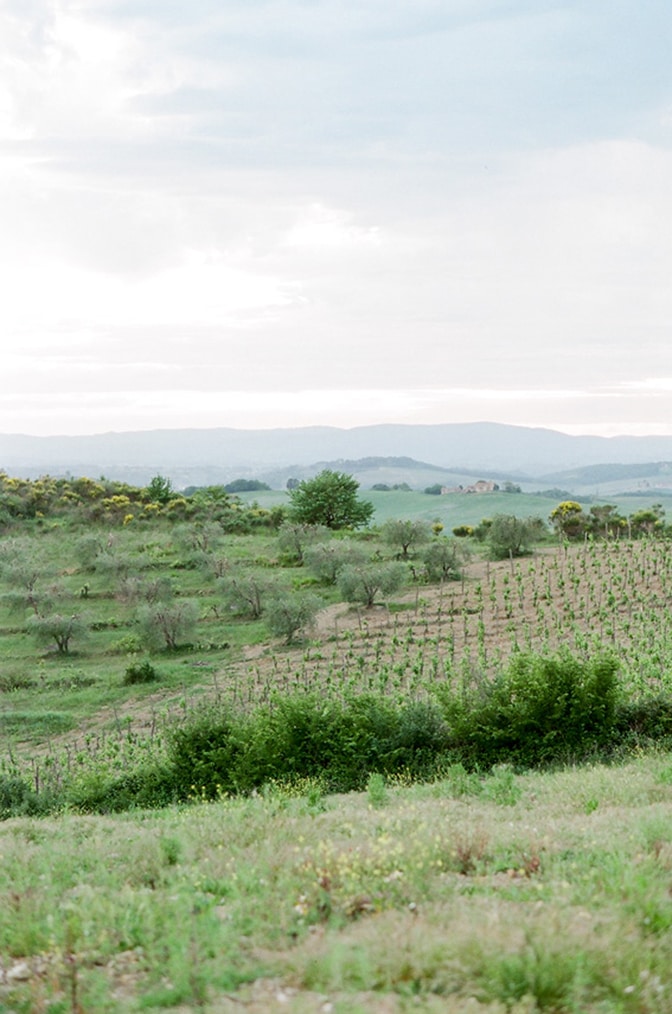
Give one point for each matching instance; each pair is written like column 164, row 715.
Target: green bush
column 537, row 711
column 17, row 798
column 644, row 721
column 205, row 751
column 147, row 788
column 140, row 672
column 217, row 750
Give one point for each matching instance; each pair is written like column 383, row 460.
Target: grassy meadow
column 510, row 892
column 460, row 875
column 454, row 509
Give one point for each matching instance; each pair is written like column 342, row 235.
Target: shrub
column 129, row 644
column 219, row 750
column 205, row 752
column 538, row 710
column 17, row 798
column 140, row 672
column 146, row 788
column 644, row 721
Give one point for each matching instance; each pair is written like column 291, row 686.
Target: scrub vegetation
column 252, row 760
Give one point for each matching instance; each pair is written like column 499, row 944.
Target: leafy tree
column 168, row 624
column 480, row 532
column 647, row 521
column 404, row 534
column 245, row 486
column 605, row 521
column 158, row 589
column 444, row 559
column 512, row 536
column 330, row 499
column 57, row 628
column 160, row 490
column 244, row 592
column 326, row 559
column 568, row 519
column 295, row 536
column 289, row 614
column 365, row 583
column 434, row 490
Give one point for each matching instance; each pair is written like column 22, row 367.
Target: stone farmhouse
column 481, row 486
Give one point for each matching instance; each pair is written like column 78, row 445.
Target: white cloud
column 345, row 197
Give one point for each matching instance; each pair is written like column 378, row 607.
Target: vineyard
column 591, row 599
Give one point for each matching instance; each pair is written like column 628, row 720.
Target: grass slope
column 455, row 509
column 544, row 892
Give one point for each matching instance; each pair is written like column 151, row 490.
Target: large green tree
column 330, row 499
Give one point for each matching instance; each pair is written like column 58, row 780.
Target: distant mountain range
column 487, row 450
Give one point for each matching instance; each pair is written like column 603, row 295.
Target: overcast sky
column 260, row 213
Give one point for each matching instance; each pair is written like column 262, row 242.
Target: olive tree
column 365, row 583
column 287, row 615
column 510, row 536
column 404, row 535
column 444, row 559
column 245, row 592
column 168, row 624
column 326, row 559
column 58, row 629
column 295, row 536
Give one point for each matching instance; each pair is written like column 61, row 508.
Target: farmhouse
column 480, row 486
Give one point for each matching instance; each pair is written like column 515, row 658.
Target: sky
column 261, row 213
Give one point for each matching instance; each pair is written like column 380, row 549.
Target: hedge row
column 538, row 711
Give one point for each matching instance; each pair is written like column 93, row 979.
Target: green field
column 455, row 509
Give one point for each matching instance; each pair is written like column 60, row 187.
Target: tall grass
column 537, row 892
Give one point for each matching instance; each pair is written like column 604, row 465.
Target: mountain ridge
column 466, row 447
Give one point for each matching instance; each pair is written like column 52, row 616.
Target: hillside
column 208, row 456
column 614, row 479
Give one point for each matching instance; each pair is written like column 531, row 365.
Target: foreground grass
column 510, row 893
